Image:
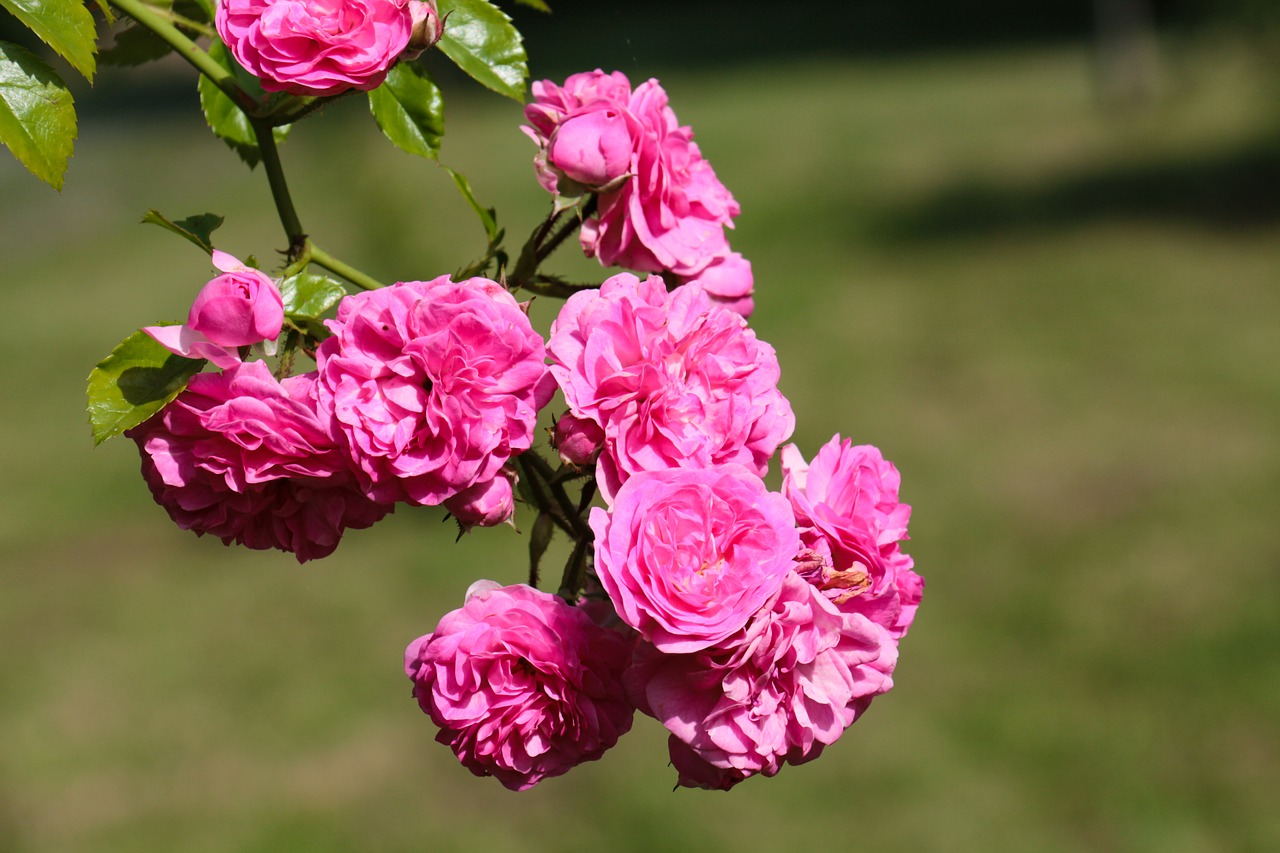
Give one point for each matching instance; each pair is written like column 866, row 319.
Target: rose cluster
column 422, row 395
column 757, row 625
column 661, row 208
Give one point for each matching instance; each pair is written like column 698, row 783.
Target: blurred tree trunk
column 1128, row 61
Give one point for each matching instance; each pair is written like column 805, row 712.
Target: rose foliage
column 306, row 399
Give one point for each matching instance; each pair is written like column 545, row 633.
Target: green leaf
column 133, row 383
column 481, row 40
column 37, row 114
column 535, row 4
column 409, row 108
column 488, row 216
column 307, row 296
column 225, row 119
column 197, row 229
column 65, row 25
column 133, row 46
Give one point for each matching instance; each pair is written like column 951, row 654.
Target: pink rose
column 729, row 282
column 486, row 504
column 689, row 555
column 671, row 212
column 846, row 502
column 248, row 459
column 522, row 685
column 778, row 691
column 673, row 380
column 316, row 47
column 434, row 385
column 238, row 308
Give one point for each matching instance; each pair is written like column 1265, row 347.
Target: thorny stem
column 545, row 249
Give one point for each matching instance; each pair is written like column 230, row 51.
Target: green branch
column 350, row 273
column 279, row 187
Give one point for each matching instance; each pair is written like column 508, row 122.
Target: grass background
column 1062, row 322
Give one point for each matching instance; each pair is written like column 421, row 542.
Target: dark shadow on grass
column 1232, row 190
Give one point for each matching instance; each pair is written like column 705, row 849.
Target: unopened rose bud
column 578, row 440
column 240, row 307
column 427, row 28
column 486, row 504
column 593, row 148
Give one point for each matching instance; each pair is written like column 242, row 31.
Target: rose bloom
column 247, row 458
column 661, row 206
column 522, row 685
column 434, row 385
column 846, row 502
column 316, row 47
column 238, row 308
column 689, row 555
column 778, row 691
column 673, row 380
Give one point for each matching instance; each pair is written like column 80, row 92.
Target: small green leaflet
column 482, row 41
column 65, row 25
column 133, row 383
column 307, row 296
column 409, row 108
column 37, row 115
column 197, row 229
column 488, row 216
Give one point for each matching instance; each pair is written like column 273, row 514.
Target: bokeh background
column 1032, row 251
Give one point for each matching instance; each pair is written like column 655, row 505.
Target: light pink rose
column 672, row 380
column 486, row 504
column 248, row 459
column 729, row 282
column 316, row 47
column 238, row 308
column 671, row 212
column 522, row 685
column 778, row 691
column 689, row 555
column 846, row 502
column 434, row 385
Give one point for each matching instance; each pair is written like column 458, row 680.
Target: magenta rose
column 316, row 47
column 778, row 691
column 672, row 380
column 689, row 555
column 846, row 503
column 238, row 308
column 522, row 685
column 434, row 385
column 661, row 207
column 247, row 459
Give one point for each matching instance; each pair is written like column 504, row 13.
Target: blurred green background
column 1037, row 263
